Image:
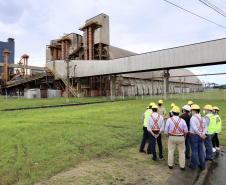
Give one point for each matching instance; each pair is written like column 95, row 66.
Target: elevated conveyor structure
column 194, row 55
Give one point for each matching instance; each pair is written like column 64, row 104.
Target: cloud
column 10, row 11
column 139, row 26
column 198, row 72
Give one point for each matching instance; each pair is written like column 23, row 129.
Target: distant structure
column 10, row 45
column 94, row 44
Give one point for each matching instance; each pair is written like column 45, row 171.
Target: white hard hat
column 187, row 107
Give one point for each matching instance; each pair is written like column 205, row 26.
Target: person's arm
column 207, row 120
column 185, row 129
column 205, row 127
column 143, row 118
column 167, row 129
column 162, row 125
column 193, row 126
column 148, row 124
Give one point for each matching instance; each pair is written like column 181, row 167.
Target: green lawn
column 36, row 144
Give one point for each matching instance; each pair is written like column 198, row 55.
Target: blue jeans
column 146, row 136
column 196, row 144
column 153, row 144
column 187, row 144
column 208, row 145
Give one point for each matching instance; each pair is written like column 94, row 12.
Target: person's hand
column 156, row 135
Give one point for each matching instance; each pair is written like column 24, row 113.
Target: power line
column 218, row 4
column 212, row 6
column 223, row 1
column 195, row 14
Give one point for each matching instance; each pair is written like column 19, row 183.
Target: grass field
column 36, row 144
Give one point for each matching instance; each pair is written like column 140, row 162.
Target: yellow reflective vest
column 146, row 115
column 213, row 123
column 219, row 124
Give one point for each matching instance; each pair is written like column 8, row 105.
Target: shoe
column 207, row 159
column 171, row 167
column 182, row 168
column 217, row 148
column 190, row 166
column 214, row 150
column 161, row 157
column 142, row 151
column 154, row 159
column 202, row 168
column 187, row 157
column 149, row 153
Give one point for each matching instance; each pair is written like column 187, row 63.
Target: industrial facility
column 94, row 45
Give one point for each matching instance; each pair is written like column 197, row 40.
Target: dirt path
column 127, row 167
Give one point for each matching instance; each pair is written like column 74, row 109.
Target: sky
column 139, row 26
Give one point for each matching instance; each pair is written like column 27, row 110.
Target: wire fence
column 207, row 94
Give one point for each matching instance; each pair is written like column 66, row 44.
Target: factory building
column 94, row 44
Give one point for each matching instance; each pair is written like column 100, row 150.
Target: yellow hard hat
column 195, row 106
column 176, row 109
column 190, row 102
column 172, row 105
column 208, row 107
column 151, row 104
column 154, row 106
column 160, row 101
column 216, row 108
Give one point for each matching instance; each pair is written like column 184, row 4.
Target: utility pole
column 68, row 84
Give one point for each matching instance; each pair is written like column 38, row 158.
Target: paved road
column 218, row 174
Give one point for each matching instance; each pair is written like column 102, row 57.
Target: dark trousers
column 215, row 141
column 187, row 145
column 153, row 144
column 146, row 136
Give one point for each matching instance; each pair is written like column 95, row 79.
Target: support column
column 86, row 44
column 63, row 50
column 79, row 87
column 166, row 84
column 112, row 83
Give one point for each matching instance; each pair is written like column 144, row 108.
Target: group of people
column 191, row 130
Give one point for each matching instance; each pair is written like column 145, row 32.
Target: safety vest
column 155, row 126
column 176, row 127
column 213, row 123
column 171, row 113
column 146, row 115
column 200, row 126
column 219, row 124
column 159, row 110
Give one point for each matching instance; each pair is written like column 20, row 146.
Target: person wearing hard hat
column 170, row 112
column 186, row 110
column 155, row 126
column 146, row 134
column 190, row 103
column 143, row 115
column 198, row 129
column 161, row 110
column 215, row 140
column 176, row 131
column 211, row 121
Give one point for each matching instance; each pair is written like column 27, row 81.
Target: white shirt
column 195, row 124
column 151, row 123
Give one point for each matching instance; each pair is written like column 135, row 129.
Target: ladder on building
column 74, row 92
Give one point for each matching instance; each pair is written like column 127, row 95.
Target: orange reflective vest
column 200, row 127
column 176, row 127
column 155, row 123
